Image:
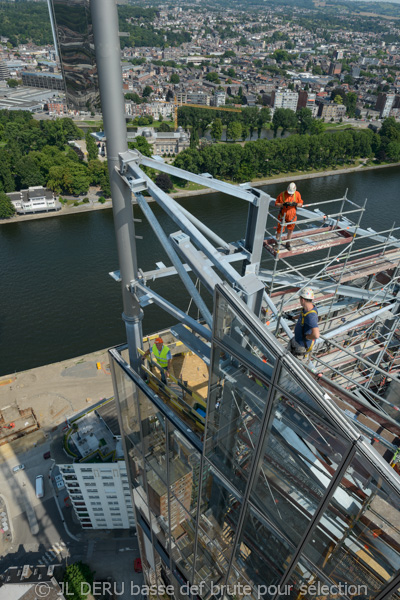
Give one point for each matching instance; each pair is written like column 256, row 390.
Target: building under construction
column 249, row 468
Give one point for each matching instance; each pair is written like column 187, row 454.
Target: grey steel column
column 108, row 57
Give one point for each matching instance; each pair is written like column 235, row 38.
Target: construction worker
column 162, row 356
column 306, row 330
column 288, row 201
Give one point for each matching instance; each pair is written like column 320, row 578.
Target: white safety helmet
column 307, row 294
column 291, row 188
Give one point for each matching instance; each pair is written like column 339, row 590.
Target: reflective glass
column 262, row 556
column 306, row 583
column 184, row 470
column 298, row 460
column 219, row 514
column 358, row 537
column 288, row 383
column 158, row 503
column 236, row 407
column 77, row 54
column 234, row 332
column 154, row 440
column 126, row 394
column 182, row 541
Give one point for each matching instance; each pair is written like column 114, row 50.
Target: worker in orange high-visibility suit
column 288, row 201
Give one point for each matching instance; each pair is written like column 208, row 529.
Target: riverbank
column 70, row 210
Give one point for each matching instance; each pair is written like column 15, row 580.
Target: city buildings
column 94, row 470
column 51, row 81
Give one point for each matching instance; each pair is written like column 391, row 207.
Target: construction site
column 246, row 464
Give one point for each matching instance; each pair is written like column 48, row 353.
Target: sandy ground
column 55, row 392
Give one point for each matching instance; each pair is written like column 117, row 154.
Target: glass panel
column 154, row 441
column 262, row 556
column 236, row 408
column 219, row 514
column 182, row 542
column 158, row 503
column 296, row 466
column 289, row 384
column 358, row 537
column 395, row 596
column 232, row 331
column 184, row 470
column 136, row 468
column 126, row 393
column 305, row 583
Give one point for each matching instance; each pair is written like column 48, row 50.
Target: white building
column 94, row 470
column 219, row 98
column 285, row 99
column 388, row 105
column 99, row 494
column 33, row 200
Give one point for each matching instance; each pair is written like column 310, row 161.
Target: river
column 58, row 301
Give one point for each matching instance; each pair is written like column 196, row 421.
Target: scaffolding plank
column 309, row 240
column 368, row 265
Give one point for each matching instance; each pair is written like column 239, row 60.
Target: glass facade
column 279, row 496
column 74, row 36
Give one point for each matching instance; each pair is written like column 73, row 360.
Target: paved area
column 55, row 392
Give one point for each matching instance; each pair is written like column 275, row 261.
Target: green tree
column 338, row 99
column 213, row 77
column 284, row 118
column 7, row 209
column 142, row 145
column 164, row 127
column 164, row 182
column 216, row 130
column 13, row 83
column 147, row 91
column 174, row 78
column 75, row 576
column 350, row 103
column 27, row 173
column 304, row 118
column 91, row 147
column 234, row 130
column 194, row 138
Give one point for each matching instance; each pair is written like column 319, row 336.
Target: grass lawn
column 189, row 187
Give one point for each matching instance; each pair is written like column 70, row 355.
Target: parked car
column 137, row 565
column 47, row 455
column 18, row 468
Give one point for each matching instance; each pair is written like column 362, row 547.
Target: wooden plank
column 309, row 240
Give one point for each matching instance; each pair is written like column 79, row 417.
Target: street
column 39, row 535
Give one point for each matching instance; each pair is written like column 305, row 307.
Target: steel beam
column 326, row 286
column 197, row 261
column 174, row 258
column 169, row 207
column 352, row 324
column 210, row 182
column 108, row 57
column 171, row 309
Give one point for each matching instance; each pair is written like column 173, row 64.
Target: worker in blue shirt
column 306, row 330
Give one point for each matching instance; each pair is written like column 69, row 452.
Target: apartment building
column 94, row 470
column 284, row 99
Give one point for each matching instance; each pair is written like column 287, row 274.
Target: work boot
column 288, row 245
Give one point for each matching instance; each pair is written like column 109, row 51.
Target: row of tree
column 264, row 158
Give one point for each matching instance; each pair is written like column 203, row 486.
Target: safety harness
column 303, row 333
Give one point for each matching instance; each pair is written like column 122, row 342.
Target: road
column 45, row 541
